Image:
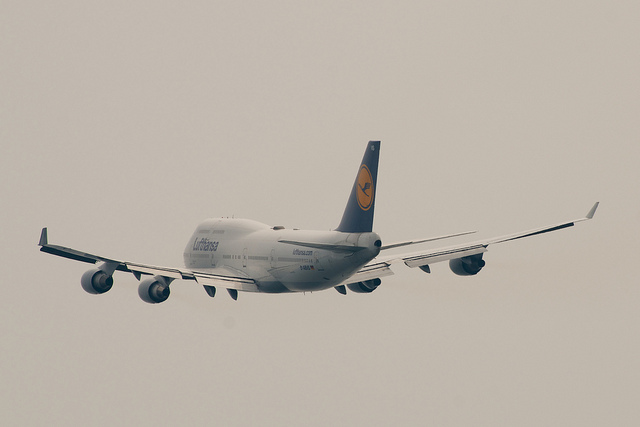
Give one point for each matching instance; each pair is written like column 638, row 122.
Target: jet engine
column 154, row 290
column 365, row 287
column 96, row 281
column 467, row 266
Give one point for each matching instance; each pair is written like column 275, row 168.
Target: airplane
column 248, row 256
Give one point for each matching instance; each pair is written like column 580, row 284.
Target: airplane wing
column 223, row 277
column 469, row 254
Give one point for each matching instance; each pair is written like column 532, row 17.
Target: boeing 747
column 248, row 256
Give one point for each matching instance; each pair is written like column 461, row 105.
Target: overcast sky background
column 124, row 124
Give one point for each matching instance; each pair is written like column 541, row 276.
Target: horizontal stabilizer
column 325, row 246
column 431, row 239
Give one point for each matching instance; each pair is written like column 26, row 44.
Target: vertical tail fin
column 358, row 215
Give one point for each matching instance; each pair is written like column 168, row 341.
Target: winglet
column 44, row 240
column 592, row 211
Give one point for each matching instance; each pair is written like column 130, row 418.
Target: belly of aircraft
column 300, row 281
column 276, row 286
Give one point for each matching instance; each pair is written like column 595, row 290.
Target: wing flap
column 369, row 272
column 443, row 255
column 228, row 282
column 174, row 273
column 220, row 277
column 324, row 246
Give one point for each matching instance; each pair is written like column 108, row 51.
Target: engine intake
column 365, row 287
column 155, row 290
column 96, row 281
column 467, row 266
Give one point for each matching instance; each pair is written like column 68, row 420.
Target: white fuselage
column 257, row 251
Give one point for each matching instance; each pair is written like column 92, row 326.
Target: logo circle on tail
column 364, row 193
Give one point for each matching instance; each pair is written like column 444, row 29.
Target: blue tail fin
column 358, row 215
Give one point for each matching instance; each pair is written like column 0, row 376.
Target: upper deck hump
column 231, row 225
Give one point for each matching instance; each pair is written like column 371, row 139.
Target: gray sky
column 123, row 124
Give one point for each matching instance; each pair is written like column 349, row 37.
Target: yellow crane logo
column 364, row 193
